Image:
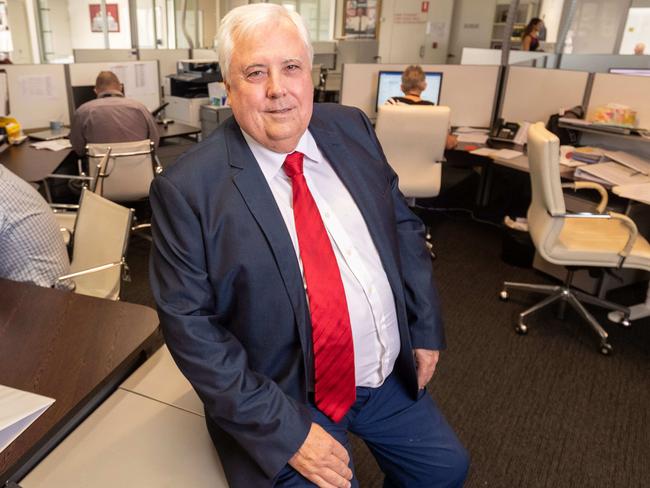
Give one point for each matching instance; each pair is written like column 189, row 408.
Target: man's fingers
column 330, row 478
column 341, row 452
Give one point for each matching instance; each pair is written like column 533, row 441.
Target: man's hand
column 322, row 460
column 425, row 362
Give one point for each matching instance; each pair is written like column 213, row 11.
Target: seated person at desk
column 111, row 117
column 413, row 84
column 31, row 245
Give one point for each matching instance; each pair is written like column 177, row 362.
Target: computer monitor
column 82, row 94
column 630, row 71
column 389, row 83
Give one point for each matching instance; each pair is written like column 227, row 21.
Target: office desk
column 32, row 164
column 177, row 129
column 73, row 348
column 150, row 432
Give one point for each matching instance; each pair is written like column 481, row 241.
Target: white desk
column 150, row 432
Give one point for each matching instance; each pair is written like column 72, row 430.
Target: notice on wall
column 138, row 78
column 409, row 18
column 38, row 87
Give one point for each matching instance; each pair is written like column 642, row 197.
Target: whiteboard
column 37, row 94
column 637, row 29
column 533, row 94
column 625, row 90
column 469, row 91
column 140, row 78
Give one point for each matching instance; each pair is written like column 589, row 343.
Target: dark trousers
column 411, row 441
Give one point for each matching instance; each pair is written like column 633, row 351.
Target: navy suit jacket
column 230, row 294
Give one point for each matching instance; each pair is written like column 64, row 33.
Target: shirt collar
column 271, row 162
column 110, row 93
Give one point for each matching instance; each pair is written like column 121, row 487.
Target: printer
column 189, row 89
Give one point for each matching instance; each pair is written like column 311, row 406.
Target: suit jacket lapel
column 346, row 165
column 259, row 199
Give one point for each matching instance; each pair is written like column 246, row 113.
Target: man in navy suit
column 293, row 283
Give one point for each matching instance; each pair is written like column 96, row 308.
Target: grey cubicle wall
column 167, row 60
column 469, row 91
column 140, row 78
column 633, row 91
column 37, row 94
column 101, row 55
column 533, row 95
column 600, row 63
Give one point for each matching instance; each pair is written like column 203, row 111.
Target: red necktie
column 334, row 388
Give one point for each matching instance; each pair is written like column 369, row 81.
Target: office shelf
column 629, row 137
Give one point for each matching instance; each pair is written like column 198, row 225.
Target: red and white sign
column 425, row 7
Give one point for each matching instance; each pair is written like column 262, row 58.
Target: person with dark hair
column 414, row 82
column 111, row 117
column 530, row 36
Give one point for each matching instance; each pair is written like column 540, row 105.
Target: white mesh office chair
column 413, row 139
column 600, row 239
column 100, row 240
column 129, row 170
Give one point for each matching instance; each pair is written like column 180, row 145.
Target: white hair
column 242, row 20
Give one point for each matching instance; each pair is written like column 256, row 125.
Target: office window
column 318, row 15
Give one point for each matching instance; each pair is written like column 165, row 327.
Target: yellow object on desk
column 11, row 127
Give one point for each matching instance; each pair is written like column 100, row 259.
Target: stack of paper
column 471, row 135
column 54, row 145
column 497, row 153
column 18, row 409
column 610, row 174
column 630, row 160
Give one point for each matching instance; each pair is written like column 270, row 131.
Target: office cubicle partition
column 37, row 94
column 601, row 63
column 633, row 91
column 533, row 95
column 140, row 79
column 102, row 55
column 478, row 56
column 469, row 91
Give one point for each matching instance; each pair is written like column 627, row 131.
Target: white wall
column 17, row 14
column 471, row 26
column 81, row 35
column 408, row 35
column 60, row 25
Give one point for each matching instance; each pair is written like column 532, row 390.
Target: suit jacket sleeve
column 266, row 422
column 420, row 291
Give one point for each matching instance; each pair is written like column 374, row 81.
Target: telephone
column 510, row 132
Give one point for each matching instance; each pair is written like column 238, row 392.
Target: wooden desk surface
column 32, row 164
column 177, row 129
column 66, row 346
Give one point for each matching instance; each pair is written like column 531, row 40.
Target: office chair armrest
column 69, row 177
column 63, row 206
column 590, row 185
column 634, row 233
column 90, row 270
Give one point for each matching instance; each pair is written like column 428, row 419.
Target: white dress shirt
column 370, row 300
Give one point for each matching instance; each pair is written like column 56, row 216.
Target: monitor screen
column 389, row 83
column 630, row 71
column 82, row 94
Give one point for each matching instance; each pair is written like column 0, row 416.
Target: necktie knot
column 293, row 164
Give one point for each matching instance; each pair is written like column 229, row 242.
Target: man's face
column 270, row 88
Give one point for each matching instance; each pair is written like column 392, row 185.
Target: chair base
column 574, row 298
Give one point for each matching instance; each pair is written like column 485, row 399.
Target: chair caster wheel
column 521, row 329
column 626, row 322
column 503, row 296
column 605, row 349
